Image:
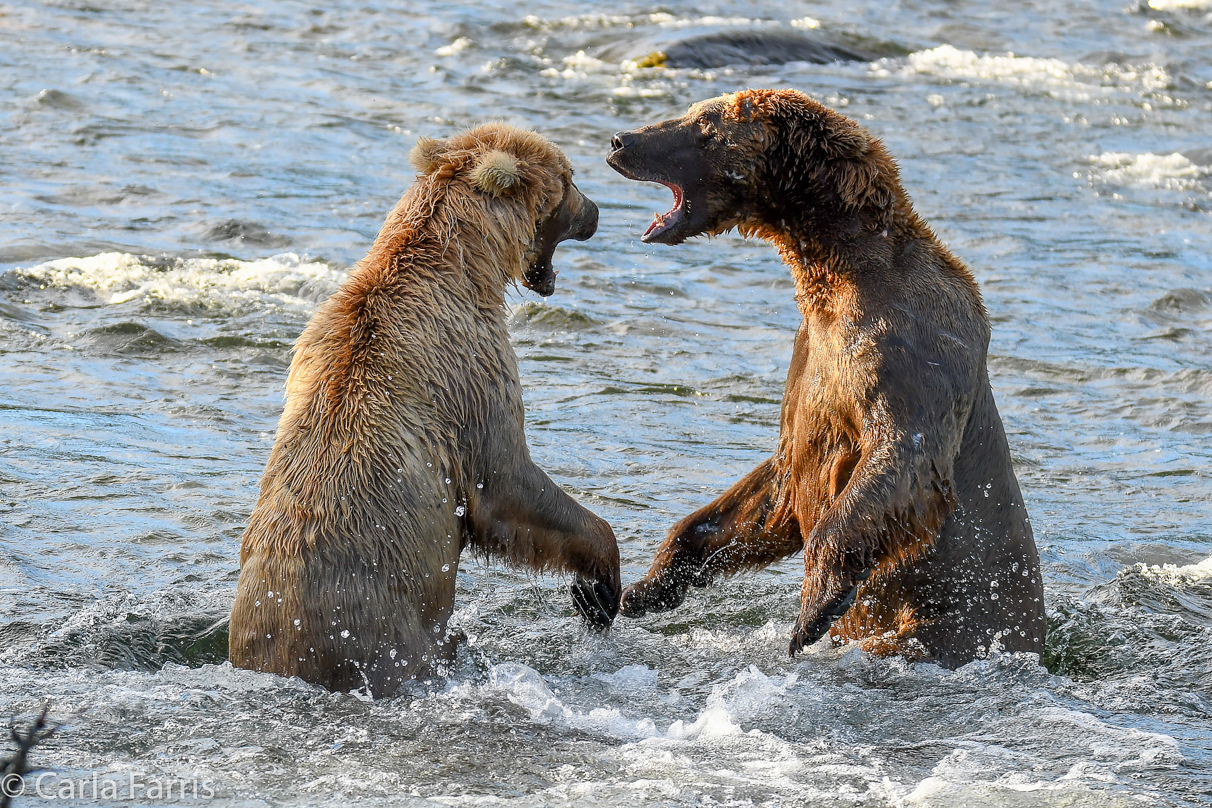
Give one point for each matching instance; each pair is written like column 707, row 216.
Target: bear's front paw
column 643, row 597
column 597, row 602
column 814, row 623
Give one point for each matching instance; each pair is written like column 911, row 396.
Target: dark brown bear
column 892, row 472
column 402, row 441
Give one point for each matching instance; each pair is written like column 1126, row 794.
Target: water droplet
column 459, row 511
column 445, row 568
column 479, row 485
column 345, row 633
column 448, row 481
column 392, row 653
column 298, row 622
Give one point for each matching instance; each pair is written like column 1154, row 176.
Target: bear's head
column 755, row 160
column 522, row 184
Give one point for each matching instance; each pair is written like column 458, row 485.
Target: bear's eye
column 706, row 128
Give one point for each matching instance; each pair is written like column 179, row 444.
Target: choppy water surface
column 182, row 183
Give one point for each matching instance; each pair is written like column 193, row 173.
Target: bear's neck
column 829, row 254
column 443, row 250
column 825, row 269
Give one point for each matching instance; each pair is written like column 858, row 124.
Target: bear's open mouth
column 663, row 222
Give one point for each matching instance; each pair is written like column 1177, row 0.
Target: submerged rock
column 753, row 48
column 245, row 232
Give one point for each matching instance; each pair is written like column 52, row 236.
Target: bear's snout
column 622, row 140
column 586, row 222
column 625, row 154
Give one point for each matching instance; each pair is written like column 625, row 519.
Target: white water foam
column 1171, row 171
column 1112, row 753
column 1054, row 75
column 1185, row 5
column 525, row 687
column 632, row 80
column 581, row 64
column 978, row 769
column 284, row 281
column 458, row 46
column 1176, row 575
column 714, row 751
column 729, row 703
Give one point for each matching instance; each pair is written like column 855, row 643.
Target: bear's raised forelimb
column 743, row 529
column 527, row 520
column 889, row 512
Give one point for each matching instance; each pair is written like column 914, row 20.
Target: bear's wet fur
column 892, row 472
column 402, row 440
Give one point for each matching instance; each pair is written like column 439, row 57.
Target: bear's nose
column 622, row 140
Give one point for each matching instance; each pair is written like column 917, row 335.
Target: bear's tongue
column 663, row 221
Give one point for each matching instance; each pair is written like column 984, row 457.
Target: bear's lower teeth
column 662, row 219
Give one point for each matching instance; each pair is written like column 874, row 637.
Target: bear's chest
column 830, row 380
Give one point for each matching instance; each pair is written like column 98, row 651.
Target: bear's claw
column 807, row 631
column 641, row 598
column 595, row 601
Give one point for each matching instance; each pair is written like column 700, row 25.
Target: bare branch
column 12, row 769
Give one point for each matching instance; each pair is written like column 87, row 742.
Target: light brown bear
column 892, row 472
column 402, row 440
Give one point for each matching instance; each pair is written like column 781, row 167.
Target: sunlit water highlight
column 183, row 183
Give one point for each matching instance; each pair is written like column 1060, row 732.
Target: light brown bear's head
column 524, row 181
column 755, row 159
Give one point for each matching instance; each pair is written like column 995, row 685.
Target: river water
column 183, row 183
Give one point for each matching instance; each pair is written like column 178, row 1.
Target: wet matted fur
column 402, row 440
column 892, row 473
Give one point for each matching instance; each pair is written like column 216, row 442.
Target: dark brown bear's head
column 526, row 183
column 754, row 160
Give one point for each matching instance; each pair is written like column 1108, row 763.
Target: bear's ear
column 497, row 173
column 427, row 154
